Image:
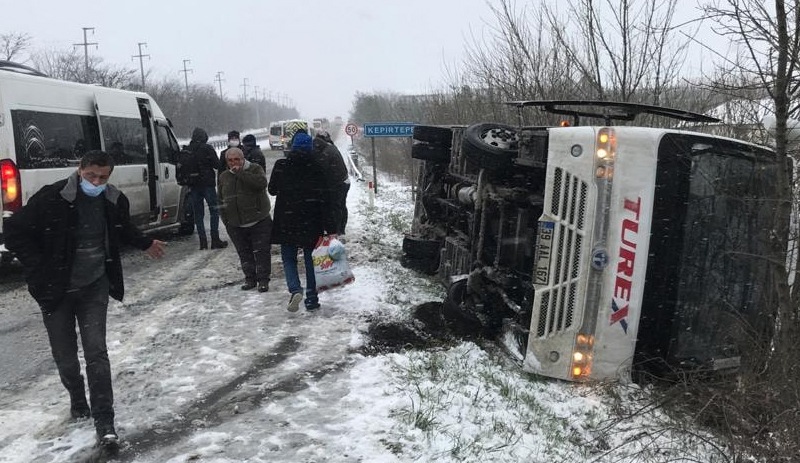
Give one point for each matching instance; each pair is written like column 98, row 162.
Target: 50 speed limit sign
column 351, row 129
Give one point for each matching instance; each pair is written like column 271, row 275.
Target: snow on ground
column 206, row 372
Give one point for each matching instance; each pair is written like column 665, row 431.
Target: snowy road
column 206, row 372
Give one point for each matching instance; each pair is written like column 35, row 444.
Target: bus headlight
column 605, row 153
column 581, row 366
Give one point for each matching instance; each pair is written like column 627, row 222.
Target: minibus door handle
column 144, row 174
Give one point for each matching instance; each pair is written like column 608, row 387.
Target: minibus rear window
column 47, row 140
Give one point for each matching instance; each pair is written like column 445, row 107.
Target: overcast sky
column 317, row 52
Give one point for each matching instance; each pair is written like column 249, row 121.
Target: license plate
column 544, row 247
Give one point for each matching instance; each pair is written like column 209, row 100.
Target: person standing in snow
column 245, row 213
column 233, row 142
column 68, row 238
column 205, row 190
column 252, row 152
column 337, row 175
column 302, row 214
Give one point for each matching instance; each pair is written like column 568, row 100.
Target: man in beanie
column 233, row 142
column 245, row 213
column 252, row 152
column 303, row 213
column 204, row 190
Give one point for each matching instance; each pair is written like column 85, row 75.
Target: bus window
column 46, row 140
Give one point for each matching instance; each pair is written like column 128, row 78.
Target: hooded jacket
column 207, row 158
column 42, row 235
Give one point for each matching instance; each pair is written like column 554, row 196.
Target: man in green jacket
column 245, row 213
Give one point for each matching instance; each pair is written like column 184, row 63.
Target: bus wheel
column 427, row 265
column 491, row 146
column 422, row 248
column 430, row 152
column 442, row 136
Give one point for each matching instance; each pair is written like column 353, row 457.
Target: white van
column 46, row 125
column 277, row 137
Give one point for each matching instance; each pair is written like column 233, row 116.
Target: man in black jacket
column 252, row 151
column 205, row 190
column 336, row 172
column 302, row 215
column 68, row 237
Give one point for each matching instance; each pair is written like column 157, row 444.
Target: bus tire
column 491, row 146
column 430, row 152
column 442, row 136
column 428, row 266
column 421, row 248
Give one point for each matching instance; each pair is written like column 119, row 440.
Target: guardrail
column 220, row 142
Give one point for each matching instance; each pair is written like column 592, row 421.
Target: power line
column 85, row 46
column 186, row 74
column 141, row 62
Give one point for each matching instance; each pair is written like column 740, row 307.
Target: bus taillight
column 10, row 186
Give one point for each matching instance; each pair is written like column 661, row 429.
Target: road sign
column 351, row 129
column 389, row 129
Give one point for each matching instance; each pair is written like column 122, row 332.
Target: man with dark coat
column 68, row 238
column 302, row 215
column 205, row 190
column 252, row 151
column 245, row 213
column 337, row 176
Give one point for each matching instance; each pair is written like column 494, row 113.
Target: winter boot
column 107, row 436
column 203, row 241
column 248, row 285
column 79, row 407
column 217, row 243
column 263, row 286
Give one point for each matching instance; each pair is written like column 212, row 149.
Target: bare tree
column 761, row 69
column 625, row 50
column 69, row 65
column 13, row 45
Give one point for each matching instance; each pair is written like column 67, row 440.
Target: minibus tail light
column 10, row 186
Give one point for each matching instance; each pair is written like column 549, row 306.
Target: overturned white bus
column 592, row 250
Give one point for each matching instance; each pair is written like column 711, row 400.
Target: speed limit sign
column 351, row 129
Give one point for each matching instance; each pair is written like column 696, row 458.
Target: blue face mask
column 92, row 190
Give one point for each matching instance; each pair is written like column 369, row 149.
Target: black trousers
column 253, row 246
column 89, row 306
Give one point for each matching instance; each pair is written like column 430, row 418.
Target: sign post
column 351, row 130
column 384, row 130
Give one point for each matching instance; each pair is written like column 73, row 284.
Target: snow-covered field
column 206, row 372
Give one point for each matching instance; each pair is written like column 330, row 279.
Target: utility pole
column 244, row 85
column 85, row 46
column 218, row 79
column 186, row 74
column 258, row 110
column 141, row 62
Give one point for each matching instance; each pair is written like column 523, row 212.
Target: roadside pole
column 374, row 169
